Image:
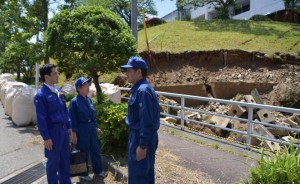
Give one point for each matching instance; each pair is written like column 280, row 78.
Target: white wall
column 261, row 7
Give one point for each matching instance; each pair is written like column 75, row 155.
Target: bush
column 114, row 138
column 282, row 168
column 260, row 18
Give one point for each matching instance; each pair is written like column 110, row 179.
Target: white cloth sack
column 22, row 107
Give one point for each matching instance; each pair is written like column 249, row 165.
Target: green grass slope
column 264, row 36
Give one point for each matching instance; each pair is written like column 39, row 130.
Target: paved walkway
column 226, row 165
column 19, row 147
column 19, row 151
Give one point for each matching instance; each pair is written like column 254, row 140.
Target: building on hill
column 247, row 9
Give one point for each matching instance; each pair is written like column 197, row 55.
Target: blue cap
column 80, row 81
column 136, row 62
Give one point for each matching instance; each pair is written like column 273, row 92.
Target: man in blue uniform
column 54, row 125
column 85, row 127
column 143, row 121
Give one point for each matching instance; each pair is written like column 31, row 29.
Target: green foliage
column 69, row 96
column 260, row 18
column 281, row 168
column 202, row 35
column 115, row 132
column 290, row 3
column 123, row 7
column 89, row 39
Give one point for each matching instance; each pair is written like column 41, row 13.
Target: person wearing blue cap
column 54, row 124
column 85, row 128
column 143, row 121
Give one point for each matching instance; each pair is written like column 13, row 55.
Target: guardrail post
column 182, row 113
column 168, row 108
column 250, row 126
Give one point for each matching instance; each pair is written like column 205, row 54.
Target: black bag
column 78, row 166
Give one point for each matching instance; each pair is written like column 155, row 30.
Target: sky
column 164, row 7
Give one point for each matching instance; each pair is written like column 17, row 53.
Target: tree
column 221, row 6
column 20, row 56
column 290, row 3
column 123, row 7
column 90, row 39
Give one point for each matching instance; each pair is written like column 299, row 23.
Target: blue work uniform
column 143, row 121
column 53, row 122
column 84, row 123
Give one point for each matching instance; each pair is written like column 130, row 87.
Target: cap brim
column 87, row 80
column 126, row 66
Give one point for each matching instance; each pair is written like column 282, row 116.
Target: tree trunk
column 45, row 7
column 100, row 97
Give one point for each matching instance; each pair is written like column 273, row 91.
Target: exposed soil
column 206, row 67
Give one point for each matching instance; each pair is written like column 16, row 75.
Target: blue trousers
column 88, row 141
column 141, row 172
column 58, row 159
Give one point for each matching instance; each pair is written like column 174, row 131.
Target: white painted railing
column 250, row 107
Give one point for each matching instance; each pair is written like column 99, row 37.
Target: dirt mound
column 291, row 16
column 230, row 69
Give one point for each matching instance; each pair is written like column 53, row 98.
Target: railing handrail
column 249, row 120
column 207, row 99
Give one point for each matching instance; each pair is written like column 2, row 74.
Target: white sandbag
column 4, row 82
column 7, row 86
column 92, row 91
column 112, row 91
column 22, row 107
column 69, row 89
column 6, row 76
column 33, row 91
column 9, row 99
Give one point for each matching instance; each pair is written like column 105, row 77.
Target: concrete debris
column 261, row 115
column 265, row 116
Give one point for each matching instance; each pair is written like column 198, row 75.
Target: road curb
column 115, row 170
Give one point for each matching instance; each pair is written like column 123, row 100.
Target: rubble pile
column 262, row 115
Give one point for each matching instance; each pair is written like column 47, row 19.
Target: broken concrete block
column 262, row 130
column 273, row 146
column 236, row 110
column 265, row 116
column 235, row 124
column 191, row 116
column 243, row 139
column 220, row 121
column 278, row 132
column 292, row 123
column 256, row 96
column 170, row 120
column 249, row 99
column 290, row 138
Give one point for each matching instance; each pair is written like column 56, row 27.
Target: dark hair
column 144, row 71
column 46, row 70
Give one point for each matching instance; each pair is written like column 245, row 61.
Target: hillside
column 264, row 36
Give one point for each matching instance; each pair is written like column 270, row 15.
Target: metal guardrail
column 250, row 108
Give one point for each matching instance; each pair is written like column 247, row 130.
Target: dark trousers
column 58, row 159
column 88, row 141
column 141, row 172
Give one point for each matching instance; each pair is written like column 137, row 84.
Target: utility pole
column 134, row 13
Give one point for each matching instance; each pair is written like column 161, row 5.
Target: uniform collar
column 136, row 85
column 52, row 88
column 81, row 97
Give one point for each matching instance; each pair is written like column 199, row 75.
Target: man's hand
column 74, row 139
column 48, row 144
column 99, row 131
column 140, row 153
column 70, row 132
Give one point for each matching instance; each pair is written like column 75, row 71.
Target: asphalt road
column 18, row 147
